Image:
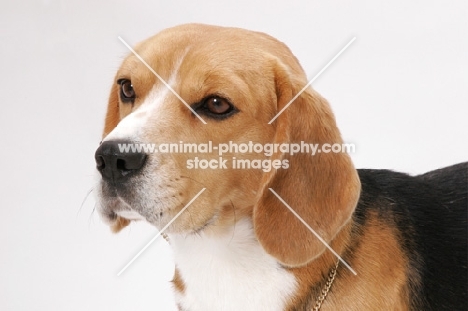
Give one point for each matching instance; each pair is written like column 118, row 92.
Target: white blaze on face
column 141, row 126
column 133, row 125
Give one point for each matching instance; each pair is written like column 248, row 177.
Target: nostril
column 100, row 164
column 121, row 164
column 122, row 167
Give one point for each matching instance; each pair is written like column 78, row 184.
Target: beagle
column 237, row 245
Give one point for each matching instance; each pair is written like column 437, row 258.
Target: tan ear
column 323, row 189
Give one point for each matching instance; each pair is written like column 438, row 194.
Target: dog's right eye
column 127, row 93
column 216, row 107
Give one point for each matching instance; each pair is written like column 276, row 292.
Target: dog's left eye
column 216, row 106
column 127, row 93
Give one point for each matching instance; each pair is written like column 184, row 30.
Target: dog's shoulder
column 429, row 216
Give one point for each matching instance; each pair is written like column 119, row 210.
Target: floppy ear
column 112, row 119
column 323, row 189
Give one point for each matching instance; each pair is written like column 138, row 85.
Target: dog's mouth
column 118, row 214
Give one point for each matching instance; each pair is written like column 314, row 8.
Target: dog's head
column 236, row 81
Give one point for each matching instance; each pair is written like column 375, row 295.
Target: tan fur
column 119, row 224
column 113, row 114
column 381, row 266
column 177, row 281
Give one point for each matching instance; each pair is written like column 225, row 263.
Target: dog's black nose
column 116, row 160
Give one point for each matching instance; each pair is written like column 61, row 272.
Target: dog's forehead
column 197, row 61
column 201, row 57
column 208, row 45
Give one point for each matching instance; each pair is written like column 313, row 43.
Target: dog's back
column 444, row 228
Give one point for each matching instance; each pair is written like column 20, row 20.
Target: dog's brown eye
column 127, row 93
column 217, row 105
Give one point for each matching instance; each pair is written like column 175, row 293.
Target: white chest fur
column 230, row 273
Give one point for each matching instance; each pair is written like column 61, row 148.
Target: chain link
column 165, row 237
column 326, row 289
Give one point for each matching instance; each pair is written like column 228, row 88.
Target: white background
column 399, row 93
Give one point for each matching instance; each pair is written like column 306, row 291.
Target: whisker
column 90, row 218
column 188, row 209
column 84, row 201
column 190, row 216
column 235, row 221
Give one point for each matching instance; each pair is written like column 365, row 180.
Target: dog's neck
column 229, row 272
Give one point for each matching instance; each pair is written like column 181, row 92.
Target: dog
column 290, row 231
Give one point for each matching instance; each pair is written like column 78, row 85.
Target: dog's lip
column 116, row 207
column 129, row 214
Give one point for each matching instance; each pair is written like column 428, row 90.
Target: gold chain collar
column 325, row 290
column 165, row 237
